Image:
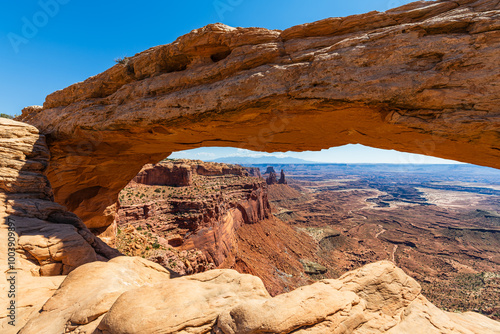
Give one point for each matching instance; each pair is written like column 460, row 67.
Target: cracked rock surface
column 132, row 295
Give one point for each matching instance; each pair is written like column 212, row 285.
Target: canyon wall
column 192, row 220
column 165, row 174
column 178, row 174
column 220, row 220
column 421, row 78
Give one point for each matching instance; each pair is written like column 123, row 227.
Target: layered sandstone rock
column 203, row 215
column 420, row 78
column 49, row 240
column 253, row 171
column 54, row 240
column 271, row 178
column 216, row 169
column 282, row 179
column 130, row 295
column 177, row 175
column 222, row 220
column 89, row 292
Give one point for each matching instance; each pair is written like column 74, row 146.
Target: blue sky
column 48, row 45
column 343, row 154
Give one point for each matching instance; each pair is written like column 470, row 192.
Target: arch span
column 421, row 78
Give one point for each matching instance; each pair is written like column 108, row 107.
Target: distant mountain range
column 262, row 160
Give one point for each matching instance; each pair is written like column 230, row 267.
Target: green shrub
column 122, row 60
column 6, row 116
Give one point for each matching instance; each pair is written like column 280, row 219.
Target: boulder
column 133, row 295
column 89, row 291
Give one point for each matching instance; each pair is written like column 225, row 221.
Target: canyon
column 221, row 219
column 420, row 78
column 439, row 223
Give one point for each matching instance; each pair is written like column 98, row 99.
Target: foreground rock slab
column 133, row 295
column 420, row 78
column 88, row 293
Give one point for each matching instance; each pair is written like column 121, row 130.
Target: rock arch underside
column 422, row 78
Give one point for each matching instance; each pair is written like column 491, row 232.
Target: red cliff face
column 218, row 232
column 167, row 174
column 253, row 171
column 216, row 169
column 222, row 219
column 203, row 214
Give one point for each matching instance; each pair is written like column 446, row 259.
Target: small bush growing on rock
column 122, row 60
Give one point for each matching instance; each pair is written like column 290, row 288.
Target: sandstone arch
column 422, row 78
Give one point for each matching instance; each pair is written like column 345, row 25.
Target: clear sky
column 48, row 45
column 343, row 154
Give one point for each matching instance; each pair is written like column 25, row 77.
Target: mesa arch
column 422, row 78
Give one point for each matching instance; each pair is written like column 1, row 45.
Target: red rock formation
column 166, row 174
column 207, row 222
column 215, row 169
column 253, row 171
column 232, row 228
column 270, row 170
column 271, row 178
column 420, row 78
column 282, row 179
